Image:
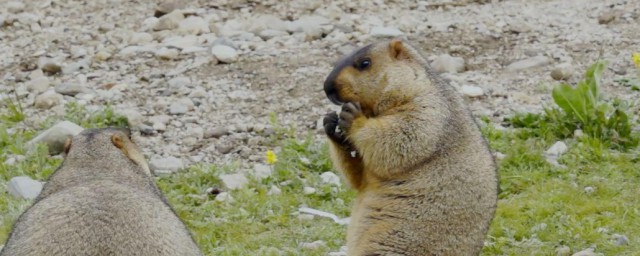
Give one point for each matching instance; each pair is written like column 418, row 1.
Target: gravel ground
column 201, row 82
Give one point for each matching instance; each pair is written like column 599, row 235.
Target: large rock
column 24, row 187
column 56, row 136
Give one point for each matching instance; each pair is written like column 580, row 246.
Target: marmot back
column 426, row 180
column 102, row 200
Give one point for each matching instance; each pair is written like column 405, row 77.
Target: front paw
column 350, row 111
column 330, row 123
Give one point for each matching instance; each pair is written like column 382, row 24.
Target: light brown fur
column 426, row 179
column 102, row 200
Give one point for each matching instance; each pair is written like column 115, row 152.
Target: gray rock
column 169, row 21
column 330, row 178
column 165, row 165
column 563, row 251
column 133, row 115
column 234, row 181
column 518, row 26
column 385, row 32
column 14, row 6
column 140, row 38
column 313, row 245
column 266, row 22
column 224, row 53
column 180, row 42
column 167, row 54
column 274, row 190
column 586, row 252
column 607, row 17
column 179, row 82
column 621, row 239
column 308, row 23
column 193, row 25
column 178, row 108
column 24, row 187
column 533, row 62
column 261, row 171
column 224, row 197
column 38, row 85
column 224, row 148
column 48, row 99
column 447, row 63
column 563, row 71
column 557, row 149
column 56, row 136
column 471, row 91
column 308, row 190
column 70, row 89
column 216, row 132
column 271, row 33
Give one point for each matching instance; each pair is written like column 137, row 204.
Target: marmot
column 102, row 200
column 426, row 180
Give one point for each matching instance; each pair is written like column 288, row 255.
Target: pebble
column 271, row 33
column 447, row 63
column 24, row 187
column 180, row 42
column 14, row 6
column 313, row 245
column 266, row 22
column 234, row 181
column 56, row 136
column 274, row 191
column 563, row 251
column 224, row 53
column 178, row 108
column 471, row 91
column 529, row 63
column 38, row 85
column 557, row 149
column 330, row 178
column 224, row 197
column 169, row 21
column 51, row 68
column 216, row 132
column 589, row 190
column 621, row 239
column 261, row 171
column 586, row 252
column 167, row 54
column 607, row 17
column 165, row 165
column 308, row 23
column 308, row 190
column 168, row 7
column 193, row 25
column 140, row 38
column 70, row 89
column 562, row 71
column 48, row 99
column 179, row 82
column 385, row 32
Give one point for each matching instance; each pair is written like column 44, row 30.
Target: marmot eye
column 363, row 64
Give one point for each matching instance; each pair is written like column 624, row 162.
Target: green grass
column 541, row 207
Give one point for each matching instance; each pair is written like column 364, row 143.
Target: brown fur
column 102, row 200
column 426, row 179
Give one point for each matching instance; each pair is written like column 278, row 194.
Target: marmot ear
column 397, row 49
column 67, row 146
column 119, row 142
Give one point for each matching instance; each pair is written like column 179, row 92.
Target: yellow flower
column 271, row 157
column 636, row 59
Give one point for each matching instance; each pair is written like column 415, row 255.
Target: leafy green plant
column 93, row 119
column 14, row 111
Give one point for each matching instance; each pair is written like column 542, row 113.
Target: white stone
column 266, row 22
column 308, row 190
column 274, row 191
column 471, row 91
column 70, row 89
column 586, row 252
column 224, row 197
column 140, row 38
column 24, row 187
column 179, row 82
column 14, row 6
column 447, row 63
column 167, row 54
column 261, row 171
column 385, row 32
column 56, row 136
column 330, row 178
column 38, row 85
column 169, row 21
column 557, row 149
column 533, row 62
column 193, row 25
column 48, row 99
column 234, row 181
column 168, row 164
column 224, row 53
column 178, row 108
column 308, row 23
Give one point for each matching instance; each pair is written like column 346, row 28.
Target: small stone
column 168, row 7
column 224, row 149
column 224, row 197
column 385, row 32
column 313, row 245
column 274, row 191
column 179, row 82
column 140, row 38
column 169, row 21
column 519, row 27
column 216, row 132
column 261, row 171
column 607, row 17
column 557, row 149
column 471, row 91
column 234, row 181
column 330, row 178
column 70, row 89
column 24, row 187
column 447, row 63
column 533, row 62
column 193, row 25
column 14, row 7
column 51, row 68
column 167, row 54
column 167, row 164
column 102, row 55
column 134, row 117
column 266, row 22
column 586, row 252
column 563, row 71
column 308, row 23
column 48, row 100
column 56, row 136
column 308, row 190
column 563, row 251
column 589, row 190
column 38, row 85
column 578, row 133
column 180, row 42
column 224, row 53
column 621, row 239
column 271, row 33
column 178, row 108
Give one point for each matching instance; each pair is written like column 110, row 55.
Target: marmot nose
column 332, row 92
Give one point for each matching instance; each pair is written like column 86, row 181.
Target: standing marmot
column 426, row 180
column 101, row 201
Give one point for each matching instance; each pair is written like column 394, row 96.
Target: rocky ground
column 200, row 81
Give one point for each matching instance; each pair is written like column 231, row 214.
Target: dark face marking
column 357, row 59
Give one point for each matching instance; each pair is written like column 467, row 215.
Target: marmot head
column 104, row 149
column 378, row 76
